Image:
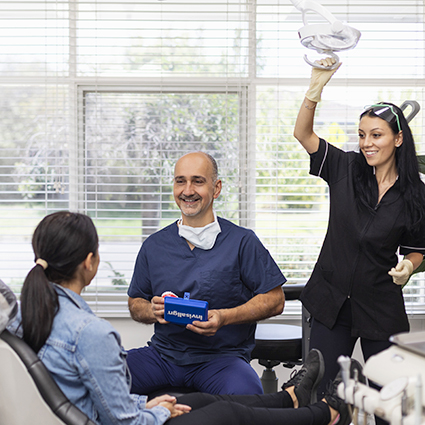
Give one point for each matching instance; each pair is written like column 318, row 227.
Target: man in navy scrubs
column 215, row 261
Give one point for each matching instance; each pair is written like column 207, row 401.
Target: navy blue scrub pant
column 224, row 375
column 265, row 409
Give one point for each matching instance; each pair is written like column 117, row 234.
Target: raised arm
column 303, row 130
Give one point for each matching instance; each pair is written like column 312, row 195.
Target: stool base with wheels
column 281, row 343
column 276, row 344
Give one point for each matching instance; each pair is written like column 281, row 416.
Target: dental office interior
column 100, row 98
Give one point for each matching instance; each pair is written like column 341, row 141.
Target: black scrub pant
column 338, row 341
column 263, row 409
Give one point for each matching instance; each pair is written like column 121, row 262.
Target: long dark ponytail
column 411, row 185
column 62, row 241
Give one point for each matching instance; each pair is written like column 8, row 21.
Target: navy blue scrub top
column 236, row 269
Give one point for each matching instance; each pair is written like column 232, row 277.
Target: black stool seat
column 278, row 342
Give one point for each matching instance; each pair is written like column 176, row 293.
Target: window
column 99, row 98
column 132, row 138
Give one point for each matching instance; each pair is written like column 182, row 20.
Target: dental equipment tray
column 413, row 341
column 184, row 310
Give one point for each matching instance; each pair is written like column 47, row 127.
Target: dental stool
column 281, row 344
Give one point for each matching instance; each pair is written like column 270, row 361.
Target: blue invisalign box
column 184, row 310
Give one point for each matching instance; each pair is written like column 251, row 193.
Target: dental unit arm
column 414, row 109
column 400, row 370
column 326, row 38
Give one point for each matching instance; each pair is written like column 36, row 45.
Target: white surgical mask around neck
column 200, row 237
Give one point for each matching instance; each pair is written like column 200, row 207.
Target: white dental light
column 326, row 38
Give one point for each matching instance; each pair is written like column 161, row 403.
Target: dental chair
column 28, row 393
column 280, row 343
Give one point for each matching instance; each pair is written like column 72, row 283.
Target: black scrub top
column 358, row 251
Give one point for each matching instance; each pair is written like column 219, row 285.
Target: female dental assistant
column 377, row 207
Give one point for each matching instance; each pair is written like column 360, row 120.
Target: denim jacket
column 84, row 355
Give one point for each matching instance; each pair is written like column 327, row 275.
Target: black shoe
column 337, row 403
column 307, row 378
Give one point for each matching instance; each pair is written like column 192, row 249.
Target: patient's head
column 64, row 240
column 63, row 243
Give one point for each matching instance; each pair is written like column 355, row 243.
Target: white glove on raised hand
column 401, row 272
column 319, row 78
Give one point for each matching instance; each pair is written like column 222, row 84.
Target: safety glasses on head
column 384, row 111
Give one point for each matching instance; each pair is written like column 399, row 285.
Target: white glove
column 319, row 79
column 401, row 272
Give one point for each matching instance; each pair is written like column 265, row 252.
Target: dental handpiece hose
column 356, row 409
column 418, row 400
column 344, row 363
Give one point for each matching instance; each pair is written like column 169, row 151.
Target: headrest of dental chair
column 8, row 305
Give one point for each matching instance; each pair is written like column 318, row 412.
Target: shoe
column 307, row 378
column 338, row 403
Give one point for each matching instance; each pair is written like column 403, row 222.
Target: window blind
column 101, row 97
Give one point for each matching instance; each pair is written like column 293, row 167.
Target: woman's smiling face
column 377, row 141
